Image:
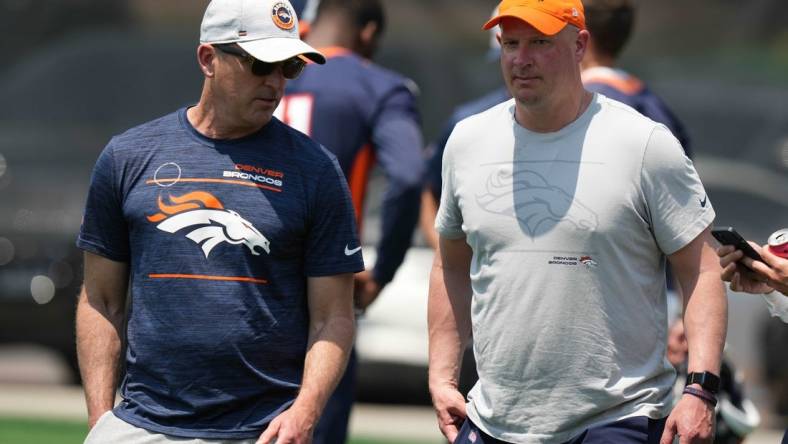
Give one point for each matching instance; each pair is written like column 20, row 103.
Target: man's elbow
column 339, row 321
column 339, row 330
column 110, row 307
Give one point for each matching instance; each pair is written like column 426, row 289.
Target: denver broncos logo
column 212, row 223
column 282, row 16
column 529, row 198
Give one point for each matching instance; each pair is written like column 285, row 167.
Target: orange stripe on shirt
column 208, row 278
column 233, row 182
column 334, row 51
column 358, row 179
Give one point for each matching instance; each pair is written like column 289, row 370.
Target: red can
column 778, row 243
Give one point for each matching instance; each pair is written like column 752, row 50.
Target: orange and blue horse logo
column 210, row 223
column 282, row 15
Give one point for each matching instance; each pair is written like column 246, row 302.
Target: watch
column 709, row 381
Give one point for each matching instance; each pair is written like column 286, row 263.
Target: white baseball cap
column 266, row 29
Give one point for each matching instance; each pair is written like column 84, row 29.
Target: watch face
column 707, row 380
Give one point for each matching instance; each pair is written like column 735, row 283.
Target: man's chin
column 257, row 119
column 528, row 99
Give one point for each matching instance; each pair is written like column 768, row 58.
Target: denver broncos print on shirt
column 209, row 222
column 537, row 204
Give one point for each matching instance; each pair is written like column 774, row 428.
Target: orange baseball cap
column 547, row 16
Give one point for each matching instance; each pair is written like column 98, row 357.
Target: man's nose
column 522, row 57
column 277, row 77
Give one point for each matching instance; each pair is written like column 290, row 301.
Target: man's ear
column 206, row 58
column 368, row 38
column 581, row 44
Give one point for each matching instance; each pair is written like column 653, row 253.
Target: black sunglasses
column 291, row 68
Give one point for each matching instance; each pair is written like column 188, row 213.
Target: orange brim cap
column 548, row 21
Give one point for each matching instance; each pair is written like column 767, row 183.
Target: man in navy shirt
column 610, row 23
column 364, row 114
column 235, row 237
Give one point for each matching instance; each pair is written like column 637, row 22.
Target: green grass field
column 34, row 431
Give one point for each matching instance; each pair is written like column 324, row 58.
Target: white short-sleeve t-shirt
column 569, row 232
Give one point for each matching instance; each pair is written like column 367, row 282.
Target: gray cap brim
column 281, row 48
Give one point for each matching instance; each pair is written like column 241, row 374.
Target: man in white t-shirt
column 558, row 212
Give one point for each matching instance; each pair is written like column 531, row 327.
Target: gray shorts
column 111, row 430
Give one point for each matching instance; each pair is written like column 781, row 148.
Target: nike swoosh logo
column 349, row 252
column 703, row 202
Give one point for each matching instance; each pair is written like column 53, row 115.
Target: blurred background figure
column 610, row 23
column 431, row 194
column 364, row 114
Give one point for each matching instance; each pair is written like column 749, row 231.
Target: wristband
column 702, row 394
column 707, row 380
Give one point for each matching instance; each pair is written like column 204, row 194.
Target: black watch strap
column 709, row 381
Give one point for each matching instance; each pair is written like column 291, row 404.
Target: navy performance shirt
column 363, row 113
column 220, row 236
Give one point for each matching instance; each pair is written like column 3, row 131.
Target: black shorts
column 637, row 430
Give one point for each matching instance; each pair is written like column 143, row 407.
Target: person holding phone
column 757, row 277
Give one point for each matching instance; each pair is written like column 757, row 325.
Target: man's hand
column 366, row 290
column 774, row 270
column 741, row 277
column 293, row 426
column 692, row 420
column 450, row 409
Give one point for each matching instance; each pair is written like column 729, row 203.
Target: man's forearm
column 446, row 342
column 327, row 354
column 706, row 322
column 400, row 215
column 448, row 316
column 98, row 351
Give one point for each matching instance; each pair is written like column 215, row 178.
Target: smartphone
column 729, row 236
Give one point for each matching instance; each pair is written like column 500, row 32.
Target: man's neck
column 593, row 60
column 209, row 120
column 551, row 117
column 325, row 34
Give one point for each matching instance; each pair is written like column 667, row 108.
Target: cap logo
column 575, row 13
column 282, row 15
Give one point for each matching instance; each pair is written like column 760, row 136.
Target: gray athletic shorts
column 111, row 430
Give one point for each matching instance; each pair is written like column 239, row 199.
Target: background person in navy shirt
column 235, row 237
column 364, row 114
column 610, row 23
